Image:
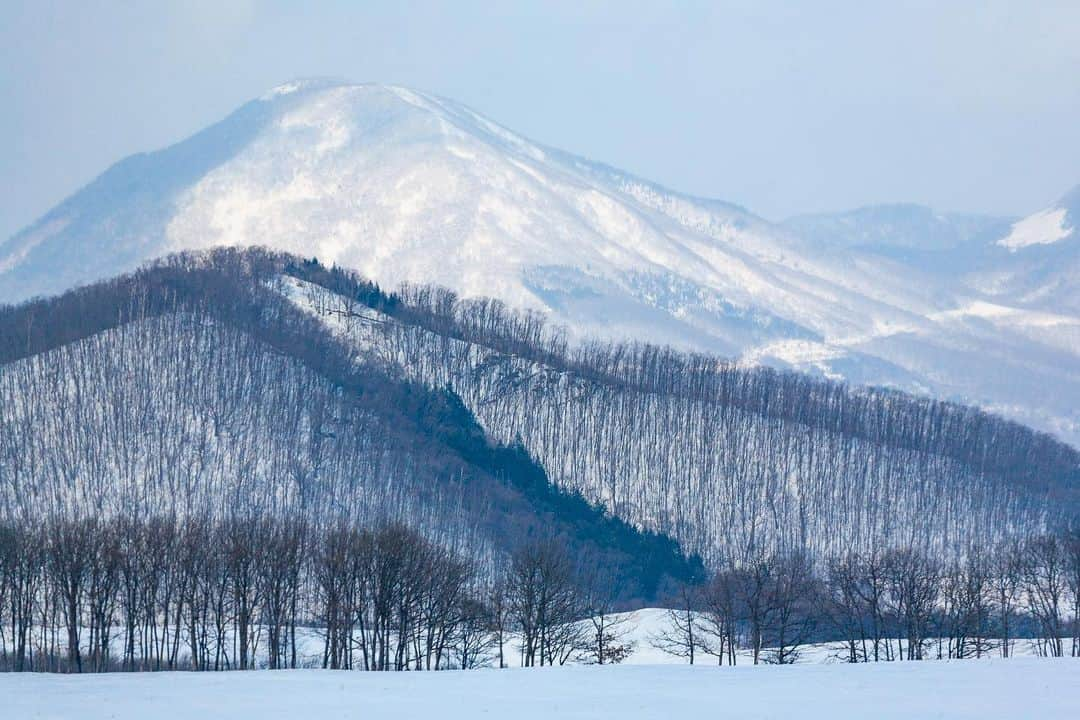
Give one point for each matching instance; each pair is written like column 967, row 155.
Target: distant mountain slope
column 895, row 228
column 1046, row 227
column 1037, row 261
column 190, row 390
column 407, row 187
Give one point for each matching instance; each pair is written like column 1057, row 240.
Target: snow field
column 1019, row 688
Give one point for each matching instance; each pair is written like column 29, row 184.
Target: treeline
column 726, row 460
column 248, row 591
column 251, row 591
column 898, row 604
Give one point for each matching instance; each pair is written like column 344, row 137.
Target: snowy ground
column 642, row 626
column 1020, row 688
column 639, row 629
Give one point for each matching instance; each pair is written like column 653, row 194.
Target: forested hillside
column 731, row 461
column 250, row 378
column 202, row 457
column 190, row 391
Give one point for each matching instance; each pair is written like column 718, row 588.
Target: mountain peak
column 302, row 84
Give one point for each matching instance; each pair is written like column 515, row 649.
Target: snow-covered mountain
column 407, row 187
column 1037, row 262
column 1060, row 222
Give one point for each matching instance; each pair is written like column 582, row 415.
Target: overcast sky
column 781, row 107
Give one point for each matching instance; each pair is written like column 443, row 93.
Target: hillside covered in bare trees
column 731, row 461
column 200, row 460
column 188, row 390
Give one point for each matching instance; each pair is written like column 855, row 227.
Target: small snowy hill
column 407, row 187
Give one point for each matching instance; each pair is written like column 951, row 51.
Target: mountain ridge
column 409, row 187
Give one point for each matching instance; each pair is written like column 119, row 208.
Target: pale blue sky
column 783, row 107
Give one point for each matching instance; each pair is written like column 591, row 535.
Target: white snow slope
column 1019, row 688
column 1042, row 228
column 407, row 187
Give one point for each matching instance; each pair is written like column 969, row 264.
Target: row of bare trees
column 250, row 591
column 899, row 604
column 86, row 594
column 389, row 600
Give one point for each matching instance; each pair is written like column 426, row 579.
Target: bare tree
column 546, row 603
column 500, row 612
column 794, row 597
column 845, row 605
column 681, row 635
column 473, row 640
column 719, row 619
column 1007, row 582
column 607, row 643
column 965, row 616
column 913, row 582
column 70, row 550
column 1071, row 541
column 1044, row 568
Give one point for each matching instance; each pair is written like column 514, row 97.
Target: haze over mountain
column 406, row 187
